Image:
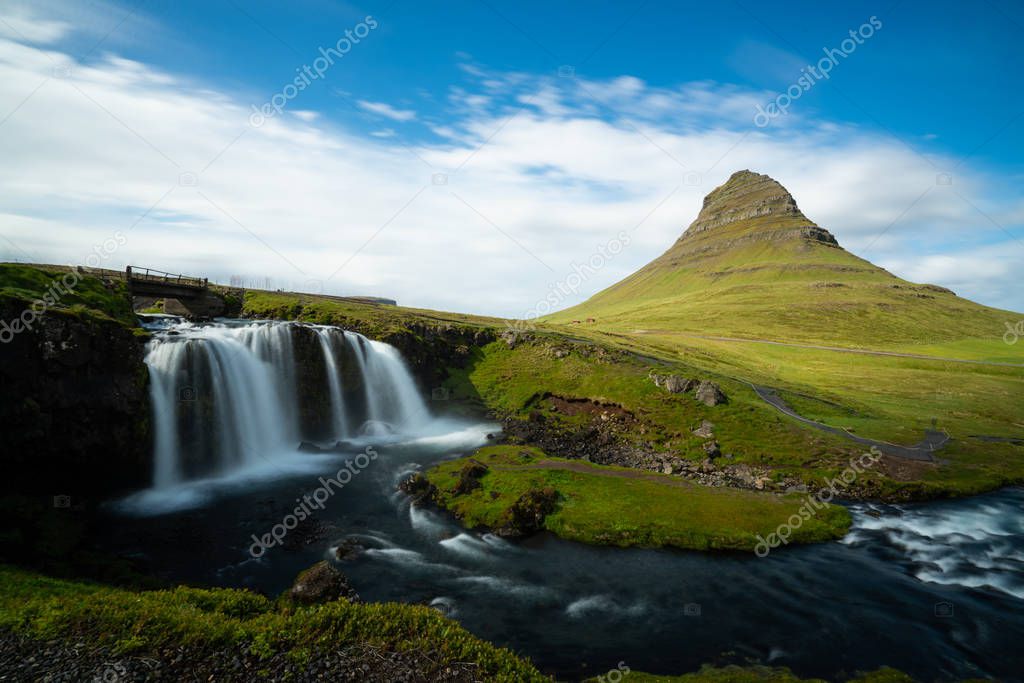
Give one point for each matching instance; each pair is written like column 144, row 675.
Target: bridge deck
column 159, row 277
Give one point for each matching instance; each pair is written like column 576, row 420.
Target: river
column 935, row 590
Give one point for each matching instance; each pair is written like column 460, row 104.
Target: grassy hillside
column 65, row 292
column 754, row 290
column 891, row 399
column 753, row 266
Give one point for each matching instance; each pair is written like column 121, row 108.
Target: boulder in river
column 321, row 583
column 418, row 487
column 349, row 549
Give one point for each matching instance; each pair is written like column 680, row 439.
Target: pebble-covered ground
column 79, row 662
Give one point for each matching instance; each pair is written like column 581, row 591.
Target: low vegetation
column 375, row 319
column 620, row 506
column 65, row 292
column 151, row 622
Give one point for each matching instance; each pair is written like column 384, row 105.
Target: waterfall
column 273, row 344
column 391, row 393
column 339, row 421
column 227, row 396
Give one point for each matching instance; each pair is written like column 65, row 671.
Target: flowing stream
column 936, row 590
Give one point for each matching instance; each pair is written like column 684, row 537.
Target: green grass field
column 620, row 506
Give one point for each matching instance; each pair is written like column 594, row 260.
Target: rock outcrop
column 527, row 514
column 74, row 406
column 469, row 478
column 419, row 488
column 706, row 430
column 710, row 394
column 752, row 200
column 673, row 384
column 321, row 583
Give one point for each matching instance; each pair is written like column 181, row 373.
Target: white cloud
column 307, row 116
column 986, row 273
column 530, row 190
column 18, row 25
column 387, row 111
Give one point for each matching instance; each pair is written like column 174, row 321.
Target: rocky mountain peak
column 758, row 203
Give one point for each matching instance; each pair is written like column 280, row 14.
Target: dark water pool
column 935, row 590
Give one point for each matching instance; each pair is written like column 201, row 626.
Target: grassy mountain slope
column 752, row 265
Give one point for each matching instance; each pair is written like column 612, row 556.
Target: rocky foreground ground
column 23, row 659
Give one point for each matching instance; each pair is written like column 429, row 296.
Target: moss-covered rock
column 321, row 583
column 526, row 516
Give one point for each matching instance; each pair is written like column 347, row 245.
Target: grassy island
column 620, row 506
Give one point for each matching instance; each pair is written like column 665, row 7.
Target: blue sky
column 553, row 125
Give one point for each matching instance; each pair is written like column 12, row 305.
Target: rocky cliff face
column 75, row 406
column 745, row 195
column 431, row 349
column 749, row 207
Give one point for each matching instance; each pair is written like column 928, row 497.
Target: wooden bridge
column 192, row 293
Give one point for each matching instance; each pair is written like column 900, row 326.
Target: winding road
column 933, row 440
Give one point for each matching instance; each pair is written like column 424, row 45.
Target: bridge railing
column 151, row 275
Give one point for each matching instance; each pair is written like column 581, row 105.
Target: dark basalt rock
column 419, row 488
column 349, row 549
column 430, row 350
column 321, row 583
column 74, row 406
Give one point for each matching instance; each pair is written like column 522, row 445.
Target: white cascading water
column 339, row 420
column 226, row 396
column 391, row 395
